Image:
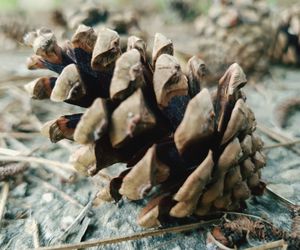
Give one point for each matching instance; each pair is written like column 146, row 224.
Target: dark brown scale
column 175, row 110
column 115, row 185
column 58, row 68
column 83, row 60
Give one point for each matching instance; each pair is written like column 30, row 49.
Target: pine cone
column 198, row 148
column 186, row 9
column 9, row 170
column 93, row 13
column 235, row 31
column 13, row 27
column 88, row 13
column 287, row 43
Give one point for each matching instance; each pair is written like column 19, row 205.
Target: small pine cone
column 95, row 15
column 8, row 170
column 186, row 9
column 198, row 148
column 126, row 23
column 235, row 31
column 287, row 42
column 88, row 14
column 14, row 27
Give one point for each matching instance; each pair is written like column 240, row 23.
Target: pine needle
column 3, row 199
column 135, row 236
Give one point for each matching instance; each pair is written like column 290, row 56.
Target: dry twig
column 20, row 135
column 83, row 227
column 277, row 136
column 282, row 144
column 4, row 195
column 270, row 245
column 62, row 169
column 135, row 236
column 35, row 234
column 278, row 196
column 78, row 220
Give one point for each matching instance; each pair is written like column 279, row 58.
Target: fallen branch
column 135, row 236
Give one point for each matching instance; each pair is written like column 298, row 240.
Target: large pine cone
column 287, row 43
column 198, row 149
column 235, row 31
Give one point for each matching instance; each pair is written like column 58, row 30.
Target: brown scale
column 195, row 146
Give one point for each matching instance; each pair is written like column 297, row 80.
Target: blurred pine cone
column 235, row 31
column 94, row 13
column 287, row 42
column 186, row 9
column 88, row 13
column 13, row 27
column 198, row 149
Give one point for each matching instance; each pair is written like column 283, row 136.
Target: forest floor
column 51, row 205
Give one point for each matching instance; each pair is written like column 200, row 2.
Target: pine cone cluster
column 287, row 42
column 235, row 31
column 94, row 14
column 194, row 149
column 89, row 14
